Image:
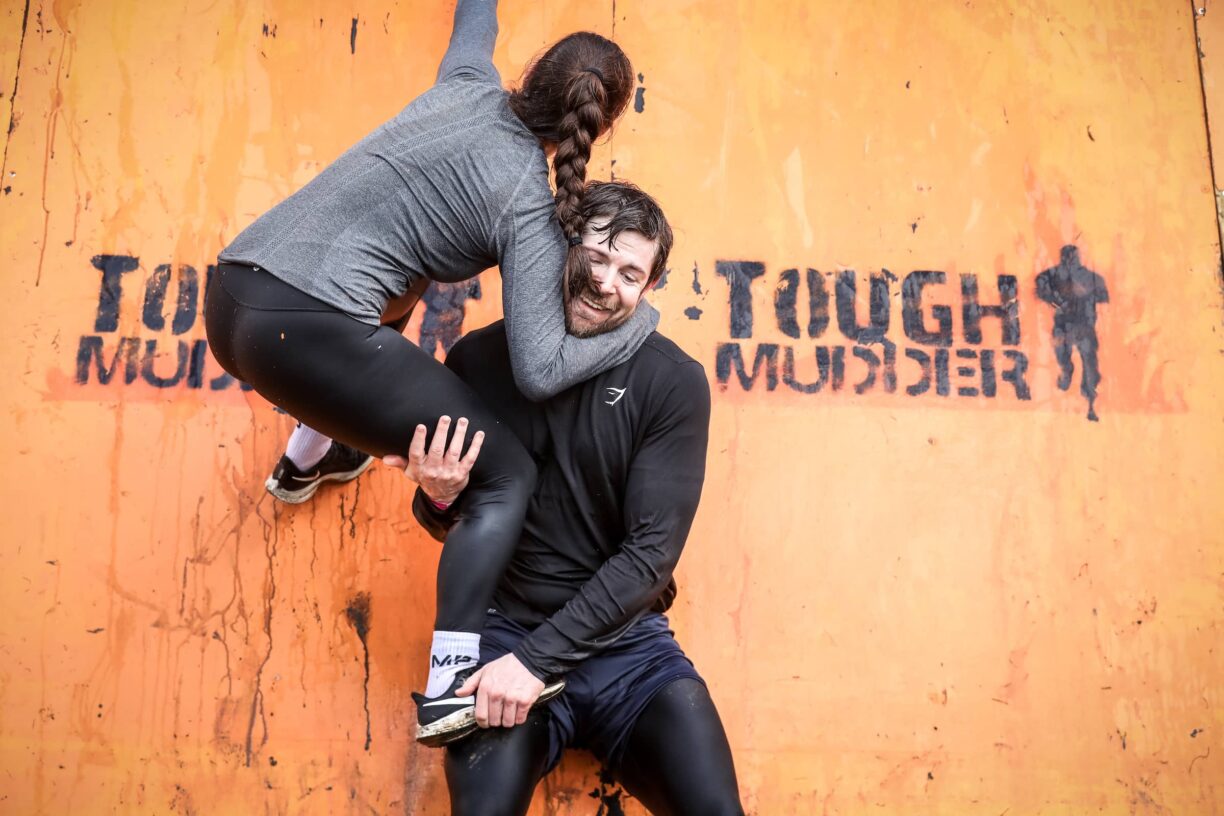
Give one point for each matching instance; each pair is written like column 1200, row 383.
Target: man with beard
column 621, row 461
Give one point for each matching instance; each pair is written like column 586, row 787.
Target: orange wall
column 930, row 603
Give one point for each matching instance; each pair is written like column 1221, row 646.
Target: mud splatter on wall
column 921, row 581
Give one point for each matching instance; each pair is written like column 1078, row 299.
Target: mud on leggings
column 677, row 761
column 369, row 387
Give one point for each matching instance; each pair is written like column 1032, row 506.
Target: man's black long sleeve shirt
column 622, row 461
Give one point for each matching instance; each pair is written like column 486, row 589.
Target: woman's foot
column 447, row 718
column 340, row 464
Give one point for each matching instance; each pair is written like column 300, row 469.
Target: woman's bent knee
column 510, row 479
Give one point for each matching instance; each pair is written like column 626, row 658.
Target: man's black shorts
column 606, row 694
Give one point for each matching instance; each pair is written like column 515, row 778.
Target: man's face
column 618, row 281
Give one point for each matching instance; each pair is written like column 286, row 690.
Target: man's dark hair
column 628, row 208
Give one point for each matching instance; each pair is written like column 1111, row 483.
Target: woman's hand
column 442, row 472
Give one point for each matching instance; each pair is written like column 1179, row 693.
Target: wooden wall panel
column 923, row 579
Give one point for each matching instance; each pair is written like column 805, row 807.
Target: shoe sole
column 454, row 727
column 299, row 496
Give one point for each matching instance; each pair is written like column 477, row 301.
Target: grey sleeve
column 470, row 53
column 545, row 360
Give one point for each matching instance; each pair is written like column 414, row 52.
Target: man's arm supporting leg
column 495, row 771
column 677, row 760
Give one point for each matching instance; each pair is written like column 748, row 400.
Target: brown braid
column 579, row 128
column 569, row 97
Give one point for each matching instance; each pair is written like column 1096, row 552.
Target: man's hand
column 505, row 692
column 440, row 471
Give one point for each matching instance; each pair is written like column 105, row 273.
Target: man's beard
column 582, row 332
column 588, row 329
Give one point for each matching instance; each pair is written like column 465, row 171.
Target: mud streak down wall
column 923, row 579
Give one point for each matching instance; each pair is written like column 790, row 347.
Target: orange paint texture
column 922, row 580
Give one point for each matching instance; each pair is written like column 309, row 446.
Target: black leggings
column 369, row 387
column 677, row 761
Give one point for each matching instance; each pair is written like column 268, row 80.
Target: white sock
column 306, row 447
column 451, row 653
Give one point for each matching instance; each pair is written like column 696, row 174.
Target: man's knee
column 724, row 804
column 706, row 797
column 482, row 807
column 678, row 758
column 716, row 807
column 704, row 802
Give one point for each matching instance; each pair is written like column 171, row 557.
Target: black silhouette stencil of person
column 1074, row 291
column 445, row 308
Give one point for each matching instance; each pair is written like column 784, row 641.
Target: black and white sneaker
column 447, row 718
column 340, row 464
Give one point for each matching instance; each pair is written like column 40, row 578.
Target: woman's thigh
column 367, row 386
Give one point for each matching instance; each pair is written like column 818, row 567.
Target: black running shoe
column 340, row 464
column 447, row 718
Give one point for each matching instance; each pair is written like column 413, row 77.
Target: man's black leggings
column 677, row 761
column 369, row 387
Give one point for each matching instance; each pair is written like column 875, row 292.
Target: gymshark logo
column 450, row 660
column 615, row 394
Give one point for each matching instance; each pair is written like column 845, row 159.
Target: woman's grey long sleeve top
column 451, row 186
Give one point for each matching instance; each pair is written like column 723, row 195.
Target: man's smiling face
column 620, row 271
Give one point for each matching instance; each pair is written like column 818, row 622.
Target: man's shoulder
column 660, row 359
column 479, row 348
column 669, row 370
column 663, row 352
column 485, row 337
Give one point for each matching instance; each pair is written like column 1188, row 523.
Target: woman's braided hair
column 569, row 97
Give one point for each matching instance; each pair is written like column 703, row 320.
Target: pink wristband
column 439, row 506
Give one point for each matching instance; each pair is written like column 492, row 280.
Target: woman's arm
column 544, row 358
column 470, row 53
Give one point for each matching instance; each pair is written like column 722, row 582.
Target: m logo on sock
column 436, row 662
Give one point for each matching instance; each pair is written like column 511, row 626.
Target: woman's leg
column 312, row 458
column 369, row 388
column 306, row 446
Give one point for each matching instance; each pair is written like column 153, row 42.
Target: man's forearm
column 582, row 629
